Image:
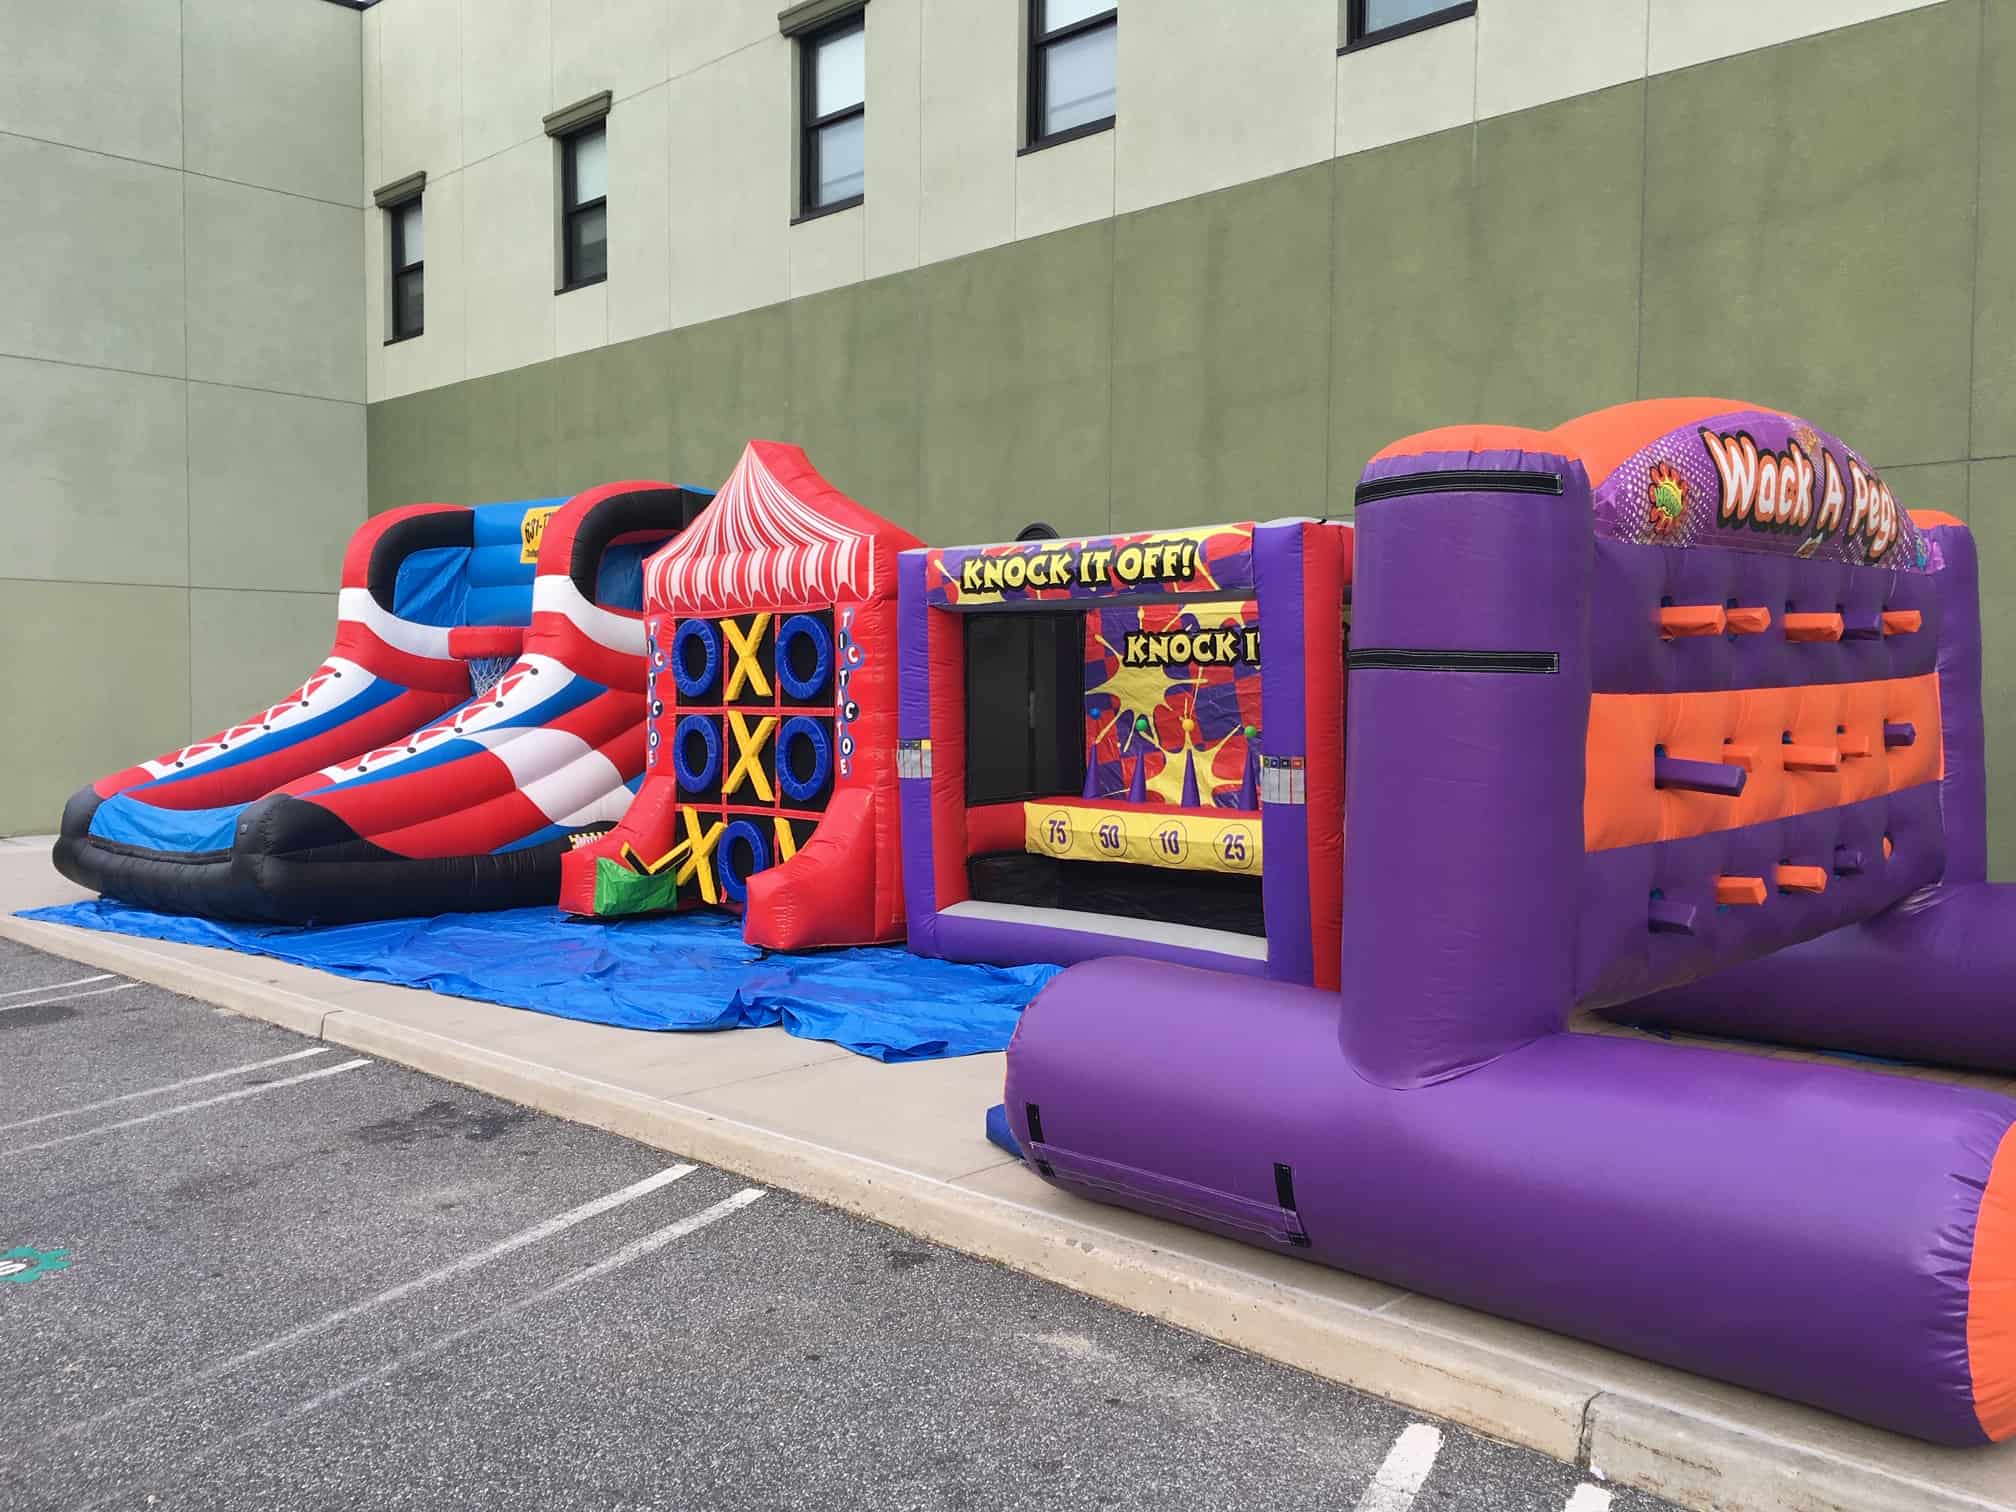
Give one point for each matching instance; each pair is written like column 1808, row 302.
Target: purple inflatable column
column 1467, row 723
column 1284, row 813
column 913, row 737
column 1963, row 793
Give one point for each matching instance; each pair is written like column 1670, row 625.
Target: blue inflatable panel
column 998, row 1131
column 686, row 971
column 432, row 587
column 129, row 822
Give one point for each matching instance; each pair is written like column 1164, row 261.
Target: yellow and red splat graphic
column 1192, row 671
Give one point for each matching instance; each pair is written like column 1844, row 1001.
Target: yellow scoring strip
column 1146, row 836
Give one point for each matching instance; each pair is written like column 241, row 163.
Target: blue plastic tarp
column 689, row 971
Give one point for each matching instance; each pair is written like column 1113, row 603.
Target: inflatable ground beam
column 770, row 770
column 1563, row 644
column 1128, row 744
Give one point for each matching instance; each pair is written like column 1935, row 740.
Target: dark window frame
column 570, row 212
column 809, row 124
column 1040, row 42
column 401, row 270
column 1356, row 36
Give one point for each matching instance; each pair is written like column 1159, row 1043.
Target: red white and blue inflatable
column 484, row 700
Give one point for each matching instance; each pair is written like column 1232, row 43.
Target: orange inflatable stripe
column 1931, row 519
column 1611, row 436
column 1749, row 728
column 1991, row 1297
column 1736, row 892
column 1468, row 438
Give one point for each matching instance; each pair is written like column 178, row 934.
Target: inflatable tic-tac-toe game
column 770, row 769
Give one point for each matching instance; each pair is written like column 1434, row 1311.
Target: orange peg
column 1813, row 627
column 1749, row 620
column 1744, row 756
column 1803, row 879
column 1806, row 758
column 1902, row 621
column 1677, row 620
column 1739, row 890
column 1889, row 850
column 1856, row 745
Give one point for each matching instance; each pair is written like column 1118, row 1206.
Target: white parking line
column 1399, row 1478
column 1588, row 1498
column 103, row 976
column 69, row 997
column 207, row 1102
column 558, row 1224
column 637, row 1249
column 192, row 1081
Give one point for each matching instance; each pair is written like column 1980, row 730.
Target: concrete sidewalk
column 903, row 1144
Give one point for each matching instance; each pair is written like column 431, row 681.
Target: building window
column 584, row 207
column 1074, row 54
column 1370, row 21
column 833, row 88
column 409, row 251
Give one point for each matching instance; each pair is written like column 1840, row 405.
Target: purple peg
column 1698, row 776
column 1668, row 917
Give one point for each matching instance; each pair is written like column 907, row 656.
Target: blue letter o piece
column 797, row 728
column 737, row 887
column 691, row 781
column 704, row 632
column 822, row 647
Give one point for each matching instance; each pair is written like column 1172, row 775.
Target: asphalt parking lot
column 240, row 1268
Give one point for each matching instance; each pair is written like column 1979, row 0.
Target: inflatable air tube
column 1825, row 1234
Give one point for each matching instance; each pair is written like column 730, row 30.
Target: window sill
column 1401, row 29
column 409, row 336
column 854, row 202
column 1059, row 138
column 585, row 283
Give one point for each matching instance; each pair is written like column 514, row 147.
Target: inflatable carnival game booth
column 484, row 701
column 1670, row 689
column 1670, row 714
column 1128, row 745
column 770, row 770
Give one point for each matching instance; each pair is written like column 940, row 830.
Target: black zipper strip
column 1460, row 480
column 1394, row 659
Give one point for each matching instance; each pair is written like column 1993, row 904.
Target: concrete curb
column 1693, row 1458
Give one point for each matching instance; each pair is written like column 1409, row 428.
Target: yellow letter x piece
column 787, row 844
column 698, row 845
column 747, row 666
column 749, row 756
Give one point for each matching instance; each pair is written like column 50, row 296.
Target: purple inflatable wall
column 1564, row 647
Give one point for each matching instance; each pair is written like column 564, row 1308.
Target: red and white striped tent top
column 777, row 536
